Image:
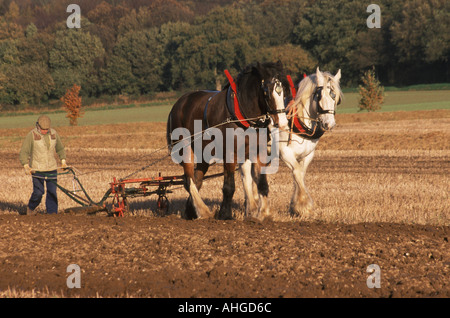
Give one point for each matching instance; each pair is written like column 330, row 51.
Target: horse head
column 327, row 96
column 269, row 89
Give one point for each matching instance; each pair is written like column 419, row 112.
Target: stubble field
column 379, row 184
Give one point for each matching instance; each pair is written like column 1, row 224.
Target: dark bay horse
column 251, row 103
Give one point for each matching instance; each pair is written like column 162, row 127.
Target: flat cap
column 44, row 122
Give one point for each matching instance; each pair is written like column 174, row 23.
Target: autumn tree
column 327, row 30
column 72, row 59
column 35, row 47
column 139, row 47
column 422, row 32
column 220, row 40
column 105, row 24
column 172, row 37
column 9, row 54
column 136, row 64
column 26, row 84
column 156, row 14
column 371, row 92
column 9, row 28
column 72, row 103
column 280, row 15
column 295, row 60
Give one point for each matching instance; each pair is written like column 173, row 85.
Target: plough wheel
column 163, row 205
column 119, row 207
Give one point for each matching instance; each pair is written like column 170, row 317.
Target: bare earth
column 169, row 257
column 380, row 187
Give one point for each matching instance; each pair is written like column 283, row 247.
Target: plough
column 120, row 190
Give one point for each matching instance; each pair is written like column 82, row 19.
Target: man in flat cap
column 37, row 156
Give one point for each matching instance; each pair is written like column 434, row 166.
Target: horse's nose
column 327, row 125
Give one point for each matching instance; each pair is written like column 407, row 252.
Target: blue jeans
column 51, row 200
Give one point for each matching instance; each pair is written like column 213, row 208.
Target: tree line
column 139, row 47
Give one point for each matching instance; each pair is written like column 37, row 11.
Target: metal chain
column 195, row 136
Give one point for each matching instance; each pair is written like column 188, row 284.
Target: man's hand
column 28, row 170
column 64, row 164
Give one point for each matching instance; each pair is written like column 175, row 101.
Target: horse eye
column 333, row 95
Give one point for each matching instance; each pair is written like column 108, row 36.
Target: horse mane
column 306, row 89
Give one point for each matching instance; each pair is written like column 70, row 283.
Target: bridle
column 262, row 121
column 278, row 89
column 267, row 98
column 318, row 96
column 302, row 129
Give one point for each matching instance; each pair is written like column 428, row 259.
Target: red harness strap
column 295, row 118
column 291, row 83
column 237, row 110
column 299, row 127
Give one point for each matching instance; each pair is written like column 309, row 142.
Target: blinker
column 319, row 91
column 333, row 95
column 278, row 87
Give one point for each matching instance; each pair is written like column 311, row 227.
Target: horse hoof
column 252, row 219
column 302, row 212
column 268, row 218
column 225, row 218
column 222, row 216
column 250, row 213
column 205, row 215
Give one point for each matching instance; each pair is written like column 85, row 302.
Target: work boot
column 30, row 212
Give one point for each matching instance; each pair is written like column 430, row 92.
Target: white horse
column 313, row 113
column 310, row 115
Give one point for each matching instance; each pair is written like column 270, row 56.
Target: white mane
column 306, row 89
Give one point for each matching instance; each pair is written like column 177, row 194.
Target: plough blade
column 86, row 210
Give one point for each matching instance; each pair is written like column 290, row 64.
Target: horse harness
column 318, row 95
column 298, row 127
column 237, row 114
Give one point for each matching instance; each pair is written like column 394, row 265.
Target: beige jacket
column 39, row 150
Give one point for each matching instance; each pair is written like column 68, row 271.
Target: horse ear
column 319, row 77
column 257, row 69
column 337, row 77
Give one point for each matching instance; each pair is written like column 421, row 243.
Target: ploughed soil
column 153, row 256
column 171, row 257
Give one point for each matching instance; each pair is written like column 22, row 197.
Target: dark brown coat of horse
column 259, row 87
